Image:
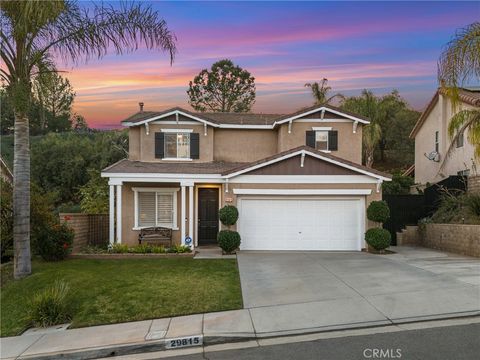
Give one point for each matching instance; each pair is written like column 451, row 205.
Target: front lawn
column 111, row 291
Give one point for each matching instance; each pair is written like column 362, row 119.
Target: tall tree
column 32, row 33
column 320, row 92
column 224, row 88
column 55, row 96
column 459, row 64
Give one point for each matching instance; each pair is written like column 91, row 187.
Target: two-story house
column 432, row 140
column 296, row 179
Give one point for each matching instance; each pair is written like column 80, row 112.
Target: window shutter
column 159, row 145
column 333, row 140
column 165, row 209
column 194, row 146
column 146, row 208
column 310, row 138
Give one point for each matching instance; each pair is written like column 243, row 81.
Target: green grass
column 111, row 291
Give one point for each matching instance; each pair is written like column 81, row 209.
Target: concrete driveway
column 285, row 292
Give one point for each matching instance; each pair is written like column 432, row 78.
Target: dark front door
column 207, row 216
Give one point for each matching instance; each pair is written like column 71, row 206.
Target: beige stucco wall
column 130, row 236
column 349, row 143
column 146, row 143
column 461, row 159
column 234, row 145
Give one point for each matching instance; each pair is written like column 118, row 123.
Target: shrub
column 378, row 211
column 472, row 201
column 6, row 221
column 378, row 238
column 399, row 185
column 179, row 249
column 228, row 215
column 228, row 240
column 55, row 242
column 119, row 248
column 50, row 306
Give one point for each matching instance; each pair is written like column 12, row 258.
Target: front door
column 207, row 216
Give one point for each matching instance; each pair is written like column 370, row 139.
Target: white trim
column 176, row 130
column 162, row 175
column 303, row 179
column 160, row 189
column 240, row 126
column 145, row 227
column 318, row 156
column 302, row 191
column 190, row 214
column 111, row 214
column 119, row 214
column 323, row 120
column 158, row 122
column 177, row 159
column 321, row 108
column 182, row 215
column 327, row 128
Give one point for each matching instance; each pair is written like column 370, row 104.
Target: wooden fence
column 90, row 229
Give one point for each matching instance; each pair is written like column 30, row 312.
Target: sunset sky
column 375, row 45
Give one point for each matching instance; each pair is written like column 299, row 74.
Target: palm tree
column 33, row 33
column 320, row 92
column 458, row 64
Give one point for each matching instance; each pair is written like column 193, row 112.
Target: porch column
column 190, row 214
column 111, row 214
column 119, row 214
column 182, row 214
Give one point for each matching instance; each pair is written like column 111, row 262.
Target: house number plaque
column 182, row 342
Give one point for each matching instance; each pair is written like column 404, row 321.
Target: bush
column 399, row 185
column 179, row 249
column 228, row 215
column 6, row 221
column 55, row 242
column 378, row 211
column 50, row 306
column 378, row 238
column 228, row 240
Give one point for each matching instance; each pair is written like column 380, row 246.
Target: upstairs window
column 177, row 145
column 321, row 140
column 437, row 141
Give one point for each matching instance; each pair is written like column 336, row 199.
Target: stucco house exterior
column 432, row 140
column 296, row 179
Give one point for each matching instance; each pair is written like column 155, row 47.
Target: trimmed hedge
column 378, row 238
column 378, row 211
column 228, row 240
column 228, row 215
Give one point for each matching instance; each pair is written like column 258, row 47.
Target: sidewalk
column 153, row 335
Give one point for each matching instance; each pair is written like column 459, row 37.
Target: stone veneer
column 456, row 238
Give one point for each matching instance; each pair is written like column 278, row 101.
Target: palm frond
column 460, row 59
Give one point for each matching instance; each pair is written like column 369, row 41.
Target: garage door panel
column 300, row 224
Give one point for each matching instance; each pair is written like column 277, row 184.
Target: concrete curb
column 209, row 340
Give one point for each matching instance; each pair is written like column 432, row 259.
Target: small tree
column 224, row 88
column 228, row 240
column 378, row 238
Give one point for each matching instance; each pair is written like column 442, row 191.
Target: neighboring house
column 5, row 172
column 432, row 140
column 296, row 179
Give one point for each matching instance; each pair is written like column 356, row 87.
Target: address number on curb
column 182, row 342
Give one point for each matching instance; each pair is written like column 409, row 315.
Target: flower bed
column 123, row 251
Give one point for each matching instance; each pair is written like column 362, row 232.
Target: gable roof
column 229, row 120
column 467, row 96
column 306, row 150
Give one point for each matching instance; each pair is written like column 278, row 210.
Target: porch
column 189, row 208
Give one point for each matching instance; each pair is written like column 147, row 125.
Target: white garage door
column 280, row 223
